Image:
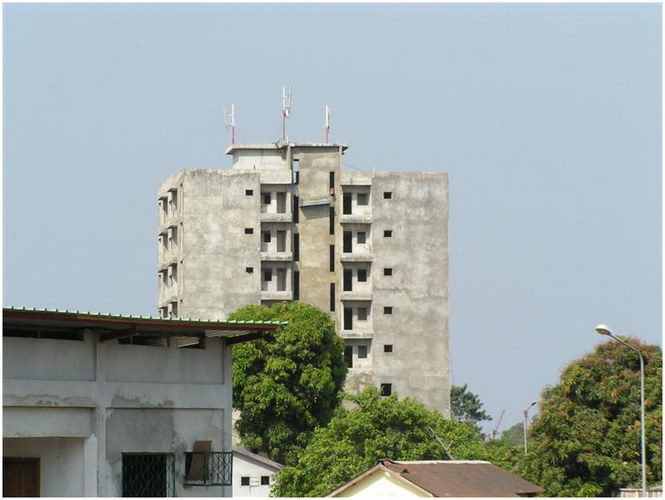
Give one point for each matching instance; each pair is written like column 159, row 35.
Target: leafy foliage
column 514, row 435
column 465, row 406
column 586, row 438
column 354, row 440
column 289, row 383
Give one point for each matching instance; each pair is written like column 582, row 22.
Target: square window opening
column 362, row 314
column 387, row 271
column 387, row 195
column 265, row 480
column 363, row 199
column 386, row 389
column 244, row 481
column 387, row 348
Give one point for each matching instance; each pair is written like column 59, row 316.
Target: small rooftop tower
column 286, row 110
column 230, row 122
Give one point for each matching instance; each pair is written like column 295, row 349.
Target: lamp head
column 603, row 330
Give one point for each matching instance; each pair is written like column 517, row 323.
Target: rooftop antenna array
column 286, row 109
column 230, row 122
column 327, row 123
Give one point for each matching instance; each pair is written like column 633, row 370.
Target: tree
column 465, row 406
column 514, row 435
column 354, row 440
column 586, row 438
column 288, row 383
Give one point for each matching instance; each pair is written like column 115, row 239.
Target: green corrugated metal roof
column 130, row 317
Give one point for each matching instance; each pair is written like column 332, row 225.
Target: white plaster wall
column 381, row 485
column 61, row 462
column 243, row 466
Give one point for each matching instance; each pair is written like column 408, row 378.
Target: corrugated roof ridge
column 425, row 462
column 130, row 316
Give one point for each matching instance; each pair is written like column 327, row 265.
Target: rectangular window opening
column 388, row 233
column 249, row 192
column 249, row 270
column 348, row 280
column 281, row 203
column 387, row 348
column 361, row 236
column 244, row 481
column 362, row 314
column 387, row 271
column 348, row 242
column 332, row 297
column 296, row 247
column 265, row 480
column 363, row 199
column 148, row 475
column 348, row 356
column 362, row 351
column 387, row 195
column 348, row 318
column 362, row 275
column 249, row 230
column 281, row 280
column 332, row 180
column 296, row 285
column 332, row 258
column 295, row 208
column 331, row 228
column 266, row 198
column 347, row 199
column 386, row 389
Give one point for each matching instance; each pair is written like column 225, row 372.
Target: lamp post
column 605, row 330
column 525, row 413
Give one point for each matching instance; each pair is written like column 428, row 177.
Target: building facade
column 253, row 475
column 109, row 405
column 287, row 223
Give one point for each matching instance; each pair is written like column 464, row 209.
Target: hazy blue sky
column 546, row 117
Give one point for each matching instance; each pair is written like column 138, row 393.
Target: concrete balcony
column 356, row 219
column 274, row 295
column 267, row 217
column 276, row 256
column 356, row 334
column 363, row 296
column 356, row 257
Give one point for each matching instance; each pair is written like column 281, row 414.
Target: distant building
column 110, row 405
column 435, row 478
column 287, row 223
column 253, row 475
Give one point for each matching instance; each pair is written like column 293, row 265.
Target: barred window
column 209, row 468
column 148, row 475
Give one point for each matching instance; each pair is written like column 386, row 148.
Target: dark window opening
column 249, row 230
column 295, row 209
column 387, row 195
column 332, row 258
column 296, row 285
column 363, row 199
column 267, row 275
column 362, row 275
column 332, row 297
column 388, row 310
column 388, row 233
column 148, row 475
column 387, row 348
column 386, row 389
column 331, row 229
column 332, row 180
column 387, row 271
column 249, row 192
column 244, row 481
column 266, row 236
column 249, row 270
column 265, row 480
column 362, row 351
column 348, row 242
column 348, row 280
column 348, row 356
column 266, row 198
column 346, row 203
column 348, row 318
column 296, row 247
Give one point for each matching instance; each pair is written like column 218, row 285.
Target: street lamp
column 525, row 413
column 605, row 330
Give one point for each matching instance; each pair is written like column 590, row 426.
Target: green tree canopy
column 514, row 435
column 465, row 406
column 585, row 441
column 289, row 383
column 354, row 440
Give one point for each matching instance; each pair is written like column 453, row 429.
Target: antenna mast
column 327, row 123
column 230, row 122
column 286, row 109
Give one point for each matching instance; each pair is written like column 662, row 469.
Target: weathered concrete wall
column 138, row 398
column 314, row 225
column 417, row 291
column 61, row 463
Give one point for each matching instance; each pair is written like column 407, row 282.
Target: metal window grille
column 208, row 468
column 148, row 475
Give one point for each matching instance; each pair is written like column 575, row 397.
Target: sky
column 546, row 117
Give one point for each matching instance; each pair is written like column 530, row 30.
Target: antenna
column 327, row 123
column 230, row 122
column 286, row 109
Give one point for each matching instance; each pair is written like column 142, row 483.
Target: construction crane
column 496, row 429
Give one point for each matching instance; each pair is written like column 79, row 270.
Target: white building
column 253, row 475
column 287, row 223
column 109, row 405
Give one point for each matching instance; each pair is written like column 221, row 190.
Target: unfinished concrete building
column 286, row 223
